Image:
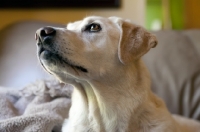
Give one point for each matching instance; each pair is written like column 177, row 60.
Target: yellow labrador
column 100, row 57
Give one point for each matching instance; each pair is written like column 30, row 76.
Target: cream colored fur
column 114, row 94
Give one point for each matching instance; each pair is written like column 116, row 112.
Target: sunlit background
column 153, row 14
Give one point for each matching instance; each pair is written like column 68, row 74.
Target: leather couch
column 174, row 64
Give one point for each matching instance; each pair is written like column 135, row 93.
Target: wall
column 132, row 9
column 154, row 15
column 192, row 14
column 177, row 14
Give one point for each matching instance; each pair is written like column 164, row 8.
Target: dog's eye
column 93, row 27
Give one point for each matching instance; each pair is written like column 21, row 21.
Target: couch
column 174, row 64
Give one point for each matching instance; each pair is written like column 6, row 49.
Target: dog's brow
column 88, row 21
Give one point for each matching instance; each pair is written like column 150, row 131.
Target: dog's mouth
column 54, row 58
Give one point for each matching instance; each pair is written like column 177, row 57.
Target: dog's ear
column 135, row 41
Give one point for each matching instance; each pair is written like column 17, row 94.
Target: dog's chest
column 90, row 115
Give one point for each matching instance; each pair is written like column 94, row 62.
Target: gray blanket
column 39, row 107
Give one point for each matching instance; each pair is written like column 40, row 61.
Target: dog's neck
column 109, row 106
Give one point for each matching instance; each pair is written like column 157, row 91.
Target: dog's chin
column 48, row 58
column 49, row 61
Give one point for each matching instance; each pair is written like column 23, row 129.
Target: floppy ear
column 135, row 41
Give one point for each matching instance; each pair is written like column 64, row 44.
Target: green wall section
column 177, row 14
column 154, row 12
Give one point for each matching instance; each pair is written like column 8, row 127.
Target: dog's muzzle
column 46, row 48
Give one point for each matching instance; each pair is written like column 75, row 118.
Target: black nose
column 44, row 32
column 47, row 31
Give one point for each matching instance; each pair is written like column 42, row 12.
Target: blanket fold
column 39, row 107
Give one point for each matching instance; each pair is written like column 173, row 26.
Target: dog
column 101, row 58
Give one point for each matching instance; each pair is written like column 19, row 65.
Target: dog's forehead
column 88, row 20
column 91, row 19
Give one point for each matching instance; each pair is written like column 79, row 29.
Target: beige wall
column 131, row 9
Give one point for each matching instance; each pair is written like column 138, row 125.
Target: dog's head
column 92, row 48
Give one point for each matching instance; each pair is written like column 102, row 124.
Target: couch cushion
column 174, row 66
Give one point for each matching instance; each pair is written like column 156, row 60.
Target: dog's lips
column 54, row 58
column 40, row 50
column 46, row 55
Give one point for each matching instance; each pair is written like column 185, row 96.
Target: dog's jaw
column 48, row 58
column 56, row 65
